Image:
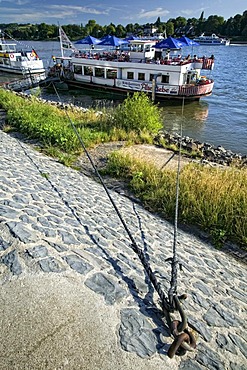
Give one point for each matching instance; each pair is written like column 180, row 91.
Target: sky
column 117, row 12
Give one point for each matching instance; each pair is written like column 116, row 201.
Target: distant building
column 187, row 30
column 149, row 30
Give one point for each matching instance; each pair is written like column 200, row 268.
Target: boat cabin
column 7, row 48
column 140, row 50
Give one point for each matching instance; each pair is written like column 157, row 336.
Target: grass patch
column 52, row 126
column 213, row 199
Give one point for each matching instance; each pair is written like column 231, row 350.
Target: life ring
column 11, row 56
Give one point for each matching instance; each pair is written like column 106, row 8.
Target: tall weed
column 213, row 199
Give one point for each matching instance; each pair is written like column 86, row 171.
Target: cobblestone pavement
column 54, row 220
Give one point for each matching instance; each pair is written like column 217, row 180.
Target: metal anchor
column 183, row 338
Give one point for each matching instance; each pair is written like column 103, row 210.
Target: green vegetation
column 215, row 200
column 234, row 27
column 138, row 113
column 52, row 127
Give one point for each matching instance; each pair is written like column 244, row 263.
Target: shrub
column 137, row 112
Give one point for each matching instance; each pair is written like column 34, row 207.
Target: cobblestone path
column 54, row 219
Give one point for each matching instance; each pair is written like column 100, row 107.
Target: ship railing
column 199, row 89
column 203, row 62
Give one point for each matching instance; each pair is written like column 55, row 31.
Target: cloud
column 80, row 9
column 192, row 12
column 49, row 12
column 16, row 2
column 152, row 13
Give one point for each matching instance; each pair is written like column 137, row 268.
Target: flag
column 65, row 41
column 34, row 54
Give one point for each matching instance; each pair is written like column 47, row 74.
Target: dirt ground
column 160, row 157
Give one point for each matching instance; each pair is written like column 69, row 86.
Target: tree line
column 235, row 28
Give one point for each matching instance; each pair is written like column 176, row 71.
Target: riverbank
column 72, row 287
column 209, row 199
column 206, row 152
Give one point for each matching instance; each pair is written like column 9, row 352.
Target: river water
column 220, row 119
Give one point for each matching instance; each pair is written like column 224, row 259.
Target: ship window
column 99, row 72
column 165, row 79
column 151, row 77
column 111, row 73
column 141, row 76
column 130, row 75
column 88, row 71
column 78, row 69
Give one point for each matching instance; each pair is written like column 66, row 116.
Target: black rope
column 164, row 301
column 174, row 264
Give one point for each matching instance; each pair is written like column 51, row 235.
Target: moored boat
column 212, row 40
column 21, row 61
column 140, row 68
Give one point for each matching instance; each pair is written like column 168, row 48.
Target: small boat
column 142, row 67
column 212, row 40
column 21, row 61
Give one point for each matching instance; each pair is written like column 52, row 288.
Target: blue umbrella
column 170, row 43
column 89, row 40
column 112, row 41
column 188, row 41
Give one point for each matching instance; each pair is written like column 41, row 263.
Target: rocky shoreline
column 207, row 152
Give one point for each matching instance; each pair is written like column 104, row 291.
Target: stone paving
column 54, row 220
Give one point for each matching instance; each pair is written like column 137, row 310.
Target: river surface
column 219, row 119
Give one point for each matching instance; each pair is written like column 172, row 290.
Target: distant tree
column 43, row 29
column 199, row 26
column 90, row 26
column 97, row 31
column 111, row 29
column 192, row 21
column 244, row 31
column 130, row 28
column 201, row 19
column 158, row 22
column 169, row 28
column 229, row 28
column 120, row 31
column 243, row 22
column 180, row 22
column 161, row 28
column 234, row 26
column 74, row 31
column 214, row 24
column 137, row 28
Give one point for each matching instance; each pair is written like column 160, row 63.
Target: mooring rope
column 174, row 264
column 183, row 340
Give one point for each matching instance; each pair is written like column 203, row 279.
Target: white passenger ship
column 140, row 68
column 15, row 61
column 212, row 40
